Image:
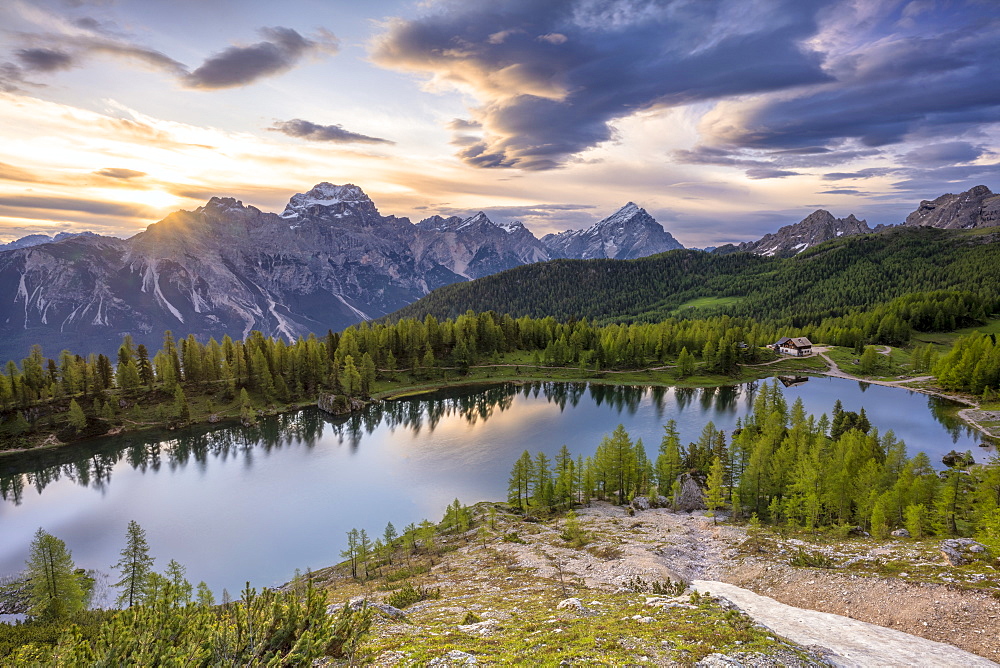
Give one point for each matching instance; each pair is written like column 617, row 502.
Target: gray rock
column 485, row 628
column 570, row 604
column 358, row 602
column 900, row 533
column 719, row 661
column 641, row 503
column 454, row 658
column 959, row 551
column 977, row 207
column 691, row 496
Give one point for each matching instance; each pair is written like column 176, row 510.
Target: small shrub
column 805, row 559
column 407, row 573
column 407, row 595
column 471, row 618
column 512, row 537
column 666, row 587
column 607, row 552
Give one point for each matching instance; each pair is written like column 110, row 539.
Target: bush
column 805, row 559
column 407, row 595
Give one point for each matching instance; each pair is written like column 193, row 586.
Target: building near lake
column 798, row 346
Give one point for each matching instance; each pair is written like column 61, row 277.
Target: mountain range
column 328, row 260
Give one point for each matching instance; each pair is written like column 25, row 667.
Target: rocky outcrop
column 817, row 227
column 626, row 234
column 690, row 497
column 960, row 551
column 978, row 207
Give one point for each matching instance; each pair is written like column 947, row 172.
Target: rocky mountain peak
column 628, row 233
column 976, row 207
column 817, row 227
column 326, row 200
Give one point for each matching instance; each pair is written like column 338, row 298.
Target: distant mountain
column 814, row 229
column 328, row 260
column 795, row 289
column 627, row 234
column 39, row 239
column 978, row 207
column 477, row 246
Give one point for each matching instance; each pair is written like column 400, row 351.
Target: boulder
column 641, row 503
column 900, row 533
column 571, row 604
column 358, row 602
column 691, row 496
column 484, row 628
column 454, row 658
column 959, row 551
column 338, row 404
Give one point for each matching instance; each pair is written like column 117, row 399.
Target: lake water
column 236, row 504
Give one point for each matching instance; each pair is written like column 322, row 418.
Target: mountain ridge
column 328, row 260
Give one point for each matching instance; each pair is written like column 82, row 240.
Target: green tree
column 135, row 566
column 715, row 495
column 182, row 411
column 77, row 418
column 55, row 589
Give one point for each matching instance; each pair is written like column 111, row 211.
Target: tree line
column 785, row 468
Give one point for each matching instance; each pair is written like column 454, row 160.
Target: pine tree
column 55, row 590
column 135, row 566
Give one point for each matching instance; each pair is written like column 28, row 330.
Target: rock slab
column 851, row 643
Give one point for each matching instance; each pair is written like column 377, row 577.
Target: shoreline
column 51, row 443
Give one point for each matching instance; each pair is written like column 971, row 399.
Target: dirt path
column 853, row 642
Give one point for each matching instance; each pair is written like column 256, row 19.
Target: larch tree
column 55, row 589
column 135, row 566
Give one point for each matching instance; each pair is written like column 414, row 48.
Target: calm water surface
column 235, row 504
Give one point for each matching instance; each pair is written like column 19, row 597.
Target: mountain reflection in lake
column 234, row 503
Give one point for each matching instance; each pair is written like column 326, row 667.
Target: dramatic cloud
column 331, row 133
column 551, row 76
column 884, row 88
column 44, row 60
column 282, row 49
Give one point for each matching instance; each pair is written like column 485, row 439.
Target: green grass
column 708, row 302
column 947, row 339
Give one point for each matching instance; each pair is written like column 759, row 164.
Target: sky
column 725, row 119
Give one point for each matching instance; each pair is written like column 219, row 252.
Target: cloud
column 44, row 60
column 12, row 203
column 841, row 191
column 12, row 173
column 867, row 173
column 550, row 77
column 236, row 66
column 120, row 173
column 758, row 173
column 885, row 87
column 945, row 153
column 331, row 133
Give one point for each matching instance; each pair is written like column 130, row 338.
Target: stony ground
column 499, row 593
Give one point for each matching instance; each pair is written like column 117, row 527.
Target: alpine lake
column 236, row 504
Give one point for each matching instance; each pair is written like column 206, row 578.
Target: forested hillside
column 828, row 280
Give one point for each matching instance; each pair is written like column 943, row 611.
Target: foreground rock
column 960, row 551
column 849, row 641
